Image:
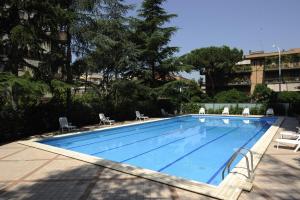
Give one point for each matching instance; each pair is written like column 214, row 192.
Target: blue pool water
column 192, row 147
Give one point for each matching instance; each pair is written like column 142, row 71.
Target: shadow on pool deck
column 74, row 184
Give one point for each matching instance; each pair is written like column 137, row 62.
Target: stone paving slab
column 11, row 171
column 31, row 154
column 12, row 145
column 46, row 191
column 6, row 152
column 56, row 170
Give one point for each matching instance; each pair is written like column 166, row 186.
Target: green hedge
column 232, row 96
column 193, row 108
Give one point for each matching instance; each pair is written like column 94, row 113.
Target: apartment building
column 262, row 68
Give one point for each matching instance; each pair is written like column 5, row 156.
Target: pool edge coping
column 230, row 188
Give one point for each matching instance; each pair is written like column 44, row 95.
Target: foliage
column 234, row 109
column 180, row 91
column 115, row 55
column 215, row 62
column 24, row 27
column 59, row 88
column 152, row 37
column 262, row 94
column 19, row 92
column 232, row 96
column 126, row 96
column 288, row 97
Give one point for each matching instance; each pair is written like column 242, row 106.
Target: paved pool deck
column 29, row 173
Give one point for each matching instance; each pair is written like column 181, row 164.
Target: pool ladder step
column 244, row 152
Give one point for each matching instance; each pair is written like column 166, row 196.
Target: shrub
column 126, row 96
column 235, row 110
column 191, row 108
column 231, row 96
column 288, row 97
column 181, row 92
column 262, row 94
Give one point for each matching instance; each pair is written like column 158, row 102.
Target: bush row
column 193, row 108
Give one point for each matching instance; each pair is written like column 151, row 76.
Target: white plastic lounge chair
column 63, row 123
column 270, row 112
column 165, row 113
column 290, row 133
column 140, row 116
column 289, row 141
column 202, row 111
column 105, row 120
column 246, row 112
column 225, row 111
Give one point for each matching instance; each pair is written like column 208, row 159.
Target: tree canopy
column 214, row 62
column 152, row 38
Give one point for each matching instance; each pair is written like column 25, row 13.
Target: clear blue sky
column 245, row 24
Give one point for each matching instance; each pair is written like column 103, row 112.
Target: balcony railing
column 239, row 82
column 283, row 66
column 242, row 68
column 289, row 79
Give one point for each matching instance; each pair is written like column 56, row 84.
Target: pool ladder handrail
column 234, row 156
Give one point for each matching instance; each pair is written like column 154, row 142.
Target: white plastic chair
column 165, row 113
column 63, row 123
column 225, row 111
column 140, row 116
column 246, row 112
column 202, row 111
column 104, row 120
column 270, row 112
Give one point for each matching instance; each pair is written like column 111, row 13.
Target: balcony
column 288, row 79
column 284, row 66
column 242, row 69
column 239, row 81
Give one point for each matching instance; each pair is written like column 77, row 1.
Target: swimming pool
column 191, row 147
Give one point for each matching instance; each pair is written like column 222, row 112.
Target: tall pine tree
column 153, row 37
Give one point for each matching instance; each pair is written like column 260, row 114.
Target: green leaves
column 262, row 94
column 215, row 62
column 59, row 88
column 152, row 38
column 19, row 92
column 232, row 96
column 288, row 97
column 180, row 91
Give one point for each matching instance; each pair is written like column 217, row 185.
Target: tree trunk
column 86, row 81
column 212, row 83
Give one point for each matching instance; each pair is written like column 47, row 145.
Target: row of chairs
column 246, row 111
column 65, row 125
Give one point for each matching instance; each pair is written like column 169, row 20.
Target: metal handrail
column 234, row 156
